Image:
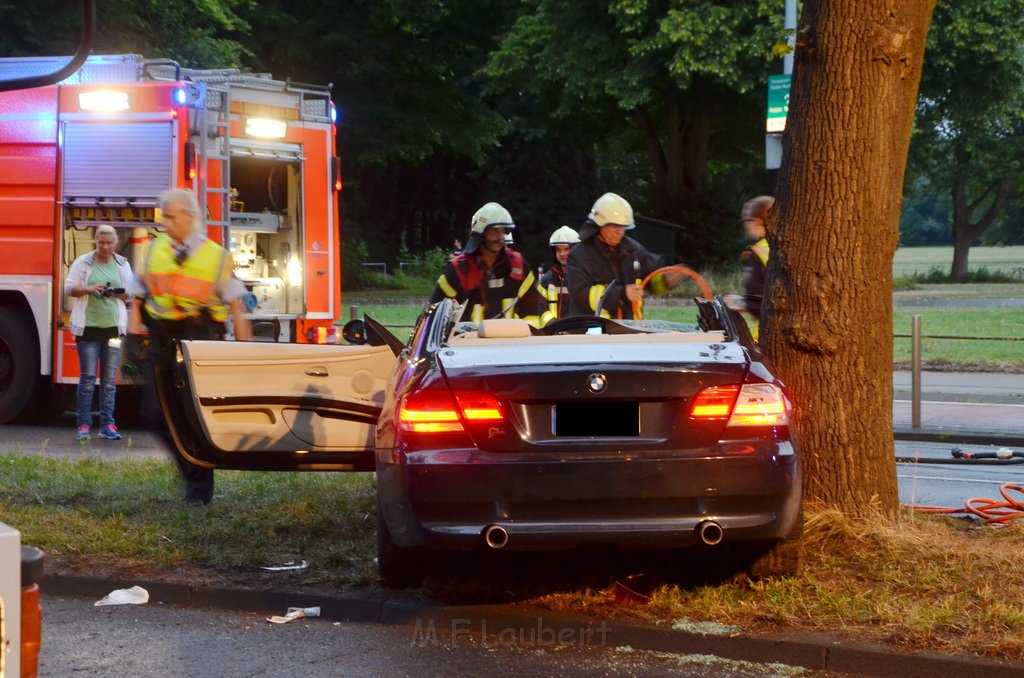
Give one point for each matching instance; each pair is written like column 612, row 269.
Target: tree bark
column 833, row 234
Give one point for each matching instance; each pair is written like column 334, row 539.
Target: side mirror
column 354, row 332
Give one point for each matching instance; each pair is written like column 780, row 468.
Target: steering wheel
column 578, row 324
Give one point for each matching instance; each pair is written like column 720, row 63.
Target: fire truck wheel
column 17, row 365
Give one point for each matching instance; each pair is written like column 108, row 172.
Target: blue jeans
column 109, row 359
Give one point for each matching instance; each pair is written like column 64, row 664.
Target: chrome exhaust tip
column 496, row 537
column 710, row 533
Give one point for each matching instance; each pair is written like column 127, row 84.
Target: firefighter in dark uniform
column 754, row 259
column 607, row 267
column 494, row 279
column 553, row 286
column 184, row 289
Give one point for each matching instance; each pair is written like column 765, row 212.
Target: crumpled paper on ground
column 136, row 595
column 295, row 613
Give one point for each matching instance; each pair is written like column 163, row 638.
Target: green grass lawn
column 910, row 260
column 1002, row 349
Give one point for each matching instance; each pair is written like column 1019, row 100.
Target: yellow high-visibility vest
column 182, row 290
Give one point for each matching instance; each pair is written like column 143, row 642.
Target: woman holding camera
column 99, row 318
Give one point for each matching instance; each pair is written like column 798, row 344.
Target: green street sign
column 778, row 101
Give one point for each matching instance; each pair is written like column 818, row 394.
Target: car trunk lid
column 594, row 394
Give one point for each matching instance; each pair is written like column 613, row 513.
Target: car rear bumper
column 637, row 500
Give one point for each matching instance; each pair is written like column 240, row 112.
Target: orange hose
column 702, row 284
column 992, row 510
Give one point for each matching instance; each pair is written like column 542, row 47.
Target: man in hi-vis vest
column 493, row 278
column 184, row 289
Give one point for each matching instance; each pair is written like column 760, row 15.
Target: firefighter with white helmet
column 493, row 278
column 607, row 266
column 553, row 286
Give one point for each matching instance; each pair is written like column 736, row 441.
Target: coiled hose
column 993, row 511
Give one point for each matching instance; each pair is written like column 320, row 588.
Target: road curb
column 531, row 626
column 958, row 436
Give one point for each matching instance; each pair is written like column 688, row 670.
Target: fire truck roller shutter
column 117, row 160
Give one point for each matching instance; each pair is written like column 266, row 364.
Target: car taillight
column 479, row 406
column 435, row 410
column 430, row 411
column 760, row 405
column 747, row 405
column 714, row 402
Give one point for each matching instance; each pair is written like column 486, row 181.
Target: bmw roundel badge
column 597, row 382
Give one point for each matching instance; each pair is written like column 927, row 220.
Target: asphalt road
column 925, row 482
column 155, row 640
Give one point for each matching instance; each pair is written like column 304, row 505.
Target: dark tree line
column 545, row 104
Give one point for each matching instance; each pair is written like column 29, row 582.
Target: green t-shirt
column 102, row 311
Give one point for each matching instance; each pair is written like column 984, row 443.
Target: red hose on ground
column 992, row 510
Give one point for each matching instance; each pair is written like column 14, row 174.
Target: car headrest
column 503, row 328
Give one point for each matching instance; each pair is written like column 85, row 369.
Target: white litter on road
column 295, row 613
column 136, row 595
column 293, row 565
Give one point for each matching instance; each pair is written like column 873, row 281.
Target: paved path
column 974, row 403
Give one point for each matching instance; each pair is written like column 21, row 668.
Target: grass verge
column 919, row 582
column 1003, row 349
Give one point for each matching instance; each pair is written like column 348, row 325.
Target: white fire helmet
column 611, row 208
column 491, row 214
column 564, row 236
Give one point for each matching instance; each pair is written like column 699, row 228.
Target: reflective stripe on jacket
column 552, row 287
column 509, row 289
column 182, row 290
column 753, row 262
column 596, row 272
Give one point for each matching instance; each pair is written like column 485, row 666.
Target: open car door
column 276, row 407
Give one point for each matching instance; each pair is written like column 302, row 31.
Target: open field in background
column 910, row 260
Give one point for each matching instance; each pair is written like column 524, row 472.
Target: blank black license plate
column 597, row 418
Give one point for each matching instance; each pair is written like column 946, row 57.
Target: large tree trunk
column 828, row 325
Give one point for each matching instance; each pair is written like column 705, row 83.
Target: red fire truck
column 99, row 147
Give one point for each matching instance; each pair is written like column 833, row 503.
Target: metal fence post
column 353, row 312
column 915, row 371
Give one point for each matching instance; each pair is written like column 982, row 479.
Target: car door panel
column 278, row 406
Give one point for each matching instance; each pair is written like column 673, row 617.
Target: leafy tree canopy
column 402, row 71
column 969, row 136
column 675, row 85
column 199, row 33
